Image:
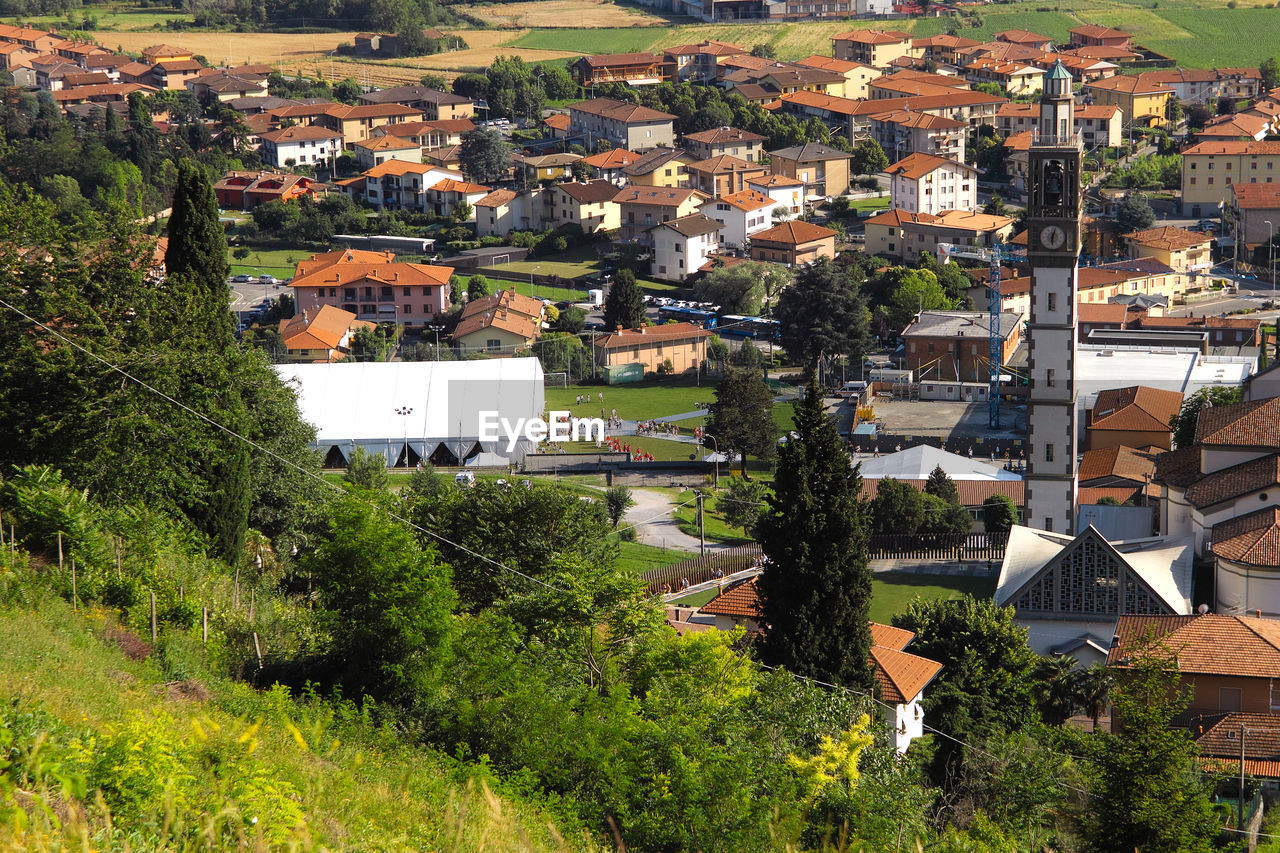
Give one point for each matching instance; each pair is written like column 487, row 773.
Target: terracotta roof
column 1238, row 126
column 710, row 47
column 693, row 225
column 1253, row 539
column 604, row 60
column 747, row 200
column 1180, row 467
column 1032, row 111
column 499, row 318
column 179, row 65
column 1129, row 85
column 970, row 492
column 632, row 337
column 496, row 198
column 1119, row 463
column 1021, row 37
column 1218, row 742
column 614, row 158
column 404, row 167
column 322, row 330
column 1101, row 312
column 654, row 160
column 557, row 121
column 350, row 112
column 873, row 36
column 1236, row 481
column 591, row 192
column 724, row 164
column 924, row 121
column 722, row 135
column 619, row 111
column 1208, row 644
column 919, row 164
column 1232, row 146
column 508, row 299
column 1136, row 408
column 945, row 40
column 662, row 196
column 450, row 185
column 737, row 601
column 822, row 101
column 1099, row 31
column 795, row 232
column 830, row 63
column 774, row 181
column 299, row 133
column 1256, row 196
column 343, row 266
column 1120, row 494
column 900, row 675
column 385, row 143
column 890, row 637
column 1169, row 238
column 1255, row 423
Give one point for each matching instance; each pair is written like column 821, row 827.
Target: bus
column 705, row 319
column 750, row 327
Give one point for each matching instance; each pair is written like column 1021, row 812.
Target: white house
column 926, row 183
column 786, row 192
column 900, row 675
column 300, row 145
column 681, row 246
column 740, row 215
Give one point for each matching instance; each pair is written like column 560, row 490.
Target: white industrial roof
column 917, row 463
column 1102, row 368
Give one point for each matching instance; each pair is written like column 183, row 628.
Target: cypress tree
column 941, row 486
column 625, row 305
column 815, row 592
column 196, row 259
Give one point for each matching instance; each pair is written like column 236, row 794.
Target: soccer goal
column 559, row 379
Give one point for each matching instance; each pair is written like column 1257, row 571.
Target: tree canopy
column 624, row 306
column 825, row 312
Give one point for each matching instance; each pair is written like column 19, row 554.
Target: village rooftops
column 1227, row 484
column 1257, row 196
column 795, row 232
column 723, row 136
column 810, row 151
column 1135, row 408
column 1252, row 539
column 324, row 329
column 919, row 164
column 693, row 225
column 960, row 324
column 299, row 133
column 614, row 158
column 1119, row 463
column 417, row 94
column 622, row 111
column 630, row 338
column 660, row 196
column 1168, row 237
column 747, row 200
column 1253, row 424
column 1208, row 644
column 873, row 37
column 1232, row 146
column 652, row 161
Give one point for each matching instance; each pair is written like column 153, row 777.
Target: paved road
column 651, row 517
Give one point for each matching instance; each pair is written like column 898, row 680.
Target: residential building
column 623, row 125
column 641, row 208
column 682, row 246
column 1206, row 85
column 1094, row 35
column 557, row 125
column 428, row 134
column 373, row 287
column 358, row 122
column 1026, row 39
column 684, row 345
column 1251, row 207
column 1097, row 124
column 1187, row 252
column 903, row 132
column 247, row 190
column 925, row 183
column 1073, row 593
column 901, row 677
column 943, row 48
column 1135, row 416
column 877, row 48
column 955, row 346
column 1016, row 78
column 1210, row 169
column 323, row 335
column 433, row 104
column 503, row 211
column 608, row 165
column 787, row 78
column 793, row 243
column 722, row 174
column 1126, row 474
column 725, row 141
column 300, row 145
column 224, row 86
column 446, row 157
column 397, row 185
column 1141, row 102
column 500, row 323
column 1097, row 284
column 588, row 205
column 1238, row 126
column 741, row 215
column 446, row 195
column 174, row 73
column 786, row 193
column 165, row 53
column 533, row 169
column 903, row 235
column 823, row 170
column 379, row 149
column 636, row 69
column 661, row 167
column 698, row 63
column 857, row 77
column 1224, row 663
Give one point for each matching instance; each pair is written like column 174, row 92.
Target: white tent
column 917, row 463
column 412, row 410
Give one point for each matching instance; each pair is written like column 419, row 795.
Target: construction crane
column 995, row 356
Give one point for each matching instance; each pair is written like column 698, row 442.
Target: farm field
column 567, row 13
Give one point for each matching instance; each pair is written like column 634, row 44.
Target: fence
column 702, row 569
column 960, row 547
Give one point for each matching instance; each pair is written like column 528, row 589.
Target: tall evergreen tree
column 625, row 305
column 196, row 259
column 941, row 486
column 815, row 592
column 742, row 415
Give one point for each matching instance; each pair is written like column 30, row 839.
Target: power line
column 278, row 457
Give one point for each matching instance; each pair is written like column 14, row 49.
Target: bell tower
column 1054, row 210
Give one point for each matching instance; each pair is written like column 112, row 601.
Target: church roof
column 1058, row 72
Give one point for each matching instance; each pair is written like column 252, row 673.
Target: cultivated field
column 237, row 48
column 567, row 13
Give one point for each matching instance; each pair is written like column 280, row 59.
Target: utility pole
column 702, row 538
column 1240, row 801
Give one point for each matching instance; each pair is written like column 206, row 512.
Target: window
column 1048, row 453
column 1193, row 180
column 406, row 291
column 1228, row 698
column 493, row 343
column 349, row 293
column 333, row 292
column 1053, row 301
column 930, row 347
column 1051, row 377
column 408, row 309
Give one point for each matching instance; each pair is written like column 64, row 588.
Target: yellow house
column 1141, row 103
column 503, row 322
column 545, row 167
column 661, row 167
column 641, row 208
column 856, row 75
column 357, row 122
column 877, row 48
column 682, row 344
column 588, row 205
column 1209, row 169
column 1181, row 250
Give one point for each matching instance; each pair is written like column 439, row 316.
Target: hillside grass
column 355, row 785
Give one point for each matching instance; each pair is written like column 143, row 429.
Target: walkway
column 652, row 518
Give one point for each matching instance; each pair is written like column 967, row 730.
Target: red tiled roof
column 970, row 492
column 1118, row 462
column 633, row 337
column 1169, row 238
column 1101, row 312
column 1256, row 196
column 1208, row 644
column 1136, row 408
column 1255, row 423
column 1252, row 539
column 1179, row 467
column 873, row 36
column 737, row 601
column 794, row 233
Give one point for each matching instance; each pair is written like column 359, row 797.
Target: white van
column 851, row 389
column 465, row 479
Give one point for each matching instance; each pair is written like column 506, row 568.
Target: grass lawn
column 891, row 593
column 640, row 558
column 861, row 204
column 108, row 18
column 277, row 262
column 697, row 599
column 555, row 294
column 636, row 402
column 663, row 450
column 714, row 526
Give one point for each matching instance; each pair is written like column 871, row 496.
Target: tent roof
column 917, row 463
column 358, row 401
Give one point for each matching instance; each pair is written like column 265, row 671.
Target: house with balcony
column 636, row 69
column 446, row 195
column 787, row 194
column 1141, row 102
column 741, row 215
column 379, row 149
column 428, row 134
column 1097, row 124
column 397, row 185
column 661, row 167
column 925, row 183
column 901, row 132
column 793, row 243
column 722, row 174
column 698, row 63
column 1185, row 252
column 641, row 208
column 725, row 141
column 372, row 286
column 588, row 205
column 608, row 165
column 823, row 170
column 433, row 104
column 877, row 48
column 537, row 168
column 500, row 323
column 300, row 145
column 857, row 77
column 905, row 236
column 622, row 124
column 359, row 121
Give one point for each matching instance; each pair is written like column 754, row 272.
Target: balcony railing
column 1054, row 140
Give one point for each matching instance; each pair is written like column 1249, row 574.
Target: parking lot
column 945, row 420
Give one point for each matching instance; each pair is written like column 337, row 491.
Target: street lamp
column 715, row 477
column 1271, row 258
column 437, row 329
column 533, row 288
column 405, row 412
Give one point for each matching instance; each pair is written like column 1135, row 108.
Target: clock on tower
column 1055, row 160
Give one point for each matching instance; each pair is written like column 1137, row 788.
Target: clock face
column 1052, row 237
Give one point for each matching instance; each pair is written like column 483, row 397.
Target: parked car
column 266, row 279
column 466, row 479
column 242, row 278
